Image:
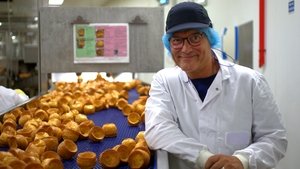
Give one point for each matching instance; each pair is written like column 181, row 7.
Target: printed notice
column 101, row 43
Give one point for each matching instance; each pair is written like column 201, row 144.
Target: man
column 207, row 112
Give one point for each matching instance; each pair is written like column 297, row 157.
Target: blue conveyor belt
column 111, row 115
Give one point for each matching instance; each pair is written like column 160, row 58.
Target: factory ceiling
column 18, row 15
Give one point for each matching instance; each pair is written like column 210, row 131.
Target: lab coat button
column 217, row 89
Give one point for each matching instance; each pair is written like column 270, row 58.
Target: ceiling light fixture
column 56, row 2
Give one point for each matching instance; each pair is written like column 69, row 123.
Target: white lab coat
column 10, row 98
column 237, row 116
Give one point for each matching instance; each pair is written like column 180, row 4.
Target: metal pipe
column 262, row 50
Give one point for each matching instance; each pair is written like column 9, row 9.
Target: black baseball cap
column 187, row 15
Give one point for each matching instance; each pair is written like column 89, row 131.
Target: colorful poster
column 101, row 43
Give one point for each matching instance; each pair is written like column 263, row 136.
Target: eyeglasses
column 193, row 40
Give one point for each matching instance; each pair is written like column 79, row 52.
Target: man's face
column 191, row 51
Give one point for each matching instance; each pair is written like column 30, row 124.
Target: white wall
column 232, row 13
column 282, row 68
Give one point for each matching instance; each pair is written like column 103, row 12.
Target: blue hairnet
column 212, row 36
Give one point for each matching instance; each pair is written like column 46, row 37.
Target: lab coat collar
column 224, row 65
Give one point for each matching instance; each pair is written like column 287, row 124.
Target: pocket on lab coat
column 237, row 140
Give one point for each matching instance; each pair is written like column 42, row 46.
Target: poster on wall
column 101, row 43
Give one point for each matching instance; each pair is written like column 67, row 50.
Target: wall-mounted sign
column 291, row 6
column 101, row 43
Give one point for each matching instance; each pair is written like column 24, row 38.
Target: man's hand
column 221, row 161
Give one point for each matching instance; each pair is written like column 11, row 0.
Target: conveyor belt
column 111, row 115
